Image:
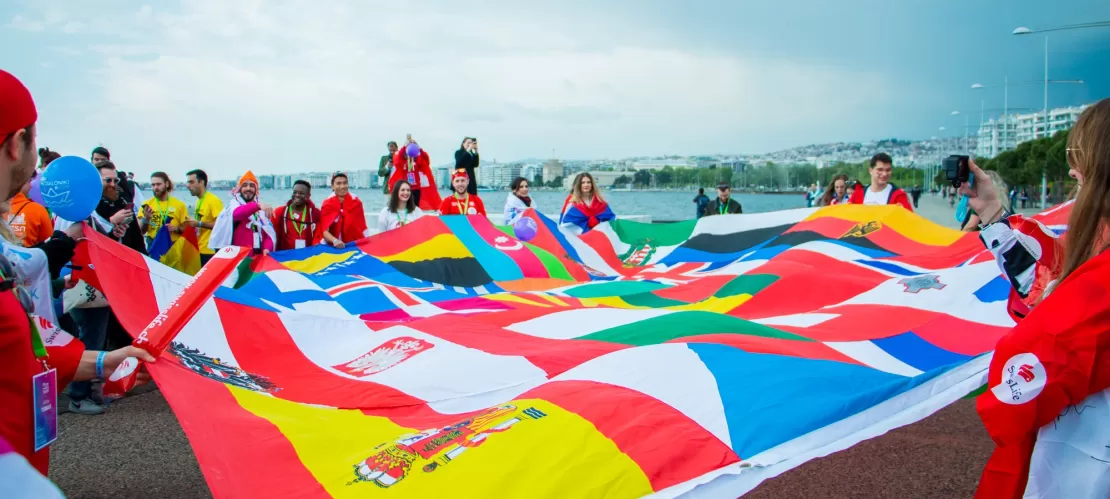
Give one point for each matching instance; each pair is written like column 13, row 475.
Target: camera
column 956, row 169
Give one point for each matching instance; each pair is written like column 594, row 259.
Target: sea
column 661, row 206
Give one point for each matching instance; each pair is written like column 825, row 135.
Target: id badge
column 44, row 387
column 412, row 179
column 298, row 244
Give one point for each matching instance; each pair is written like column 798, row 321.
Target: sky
column 285, row 86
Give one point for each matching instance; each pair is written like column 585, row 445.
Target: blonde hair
column 1000, row 188
column 1088, row 152
column 576, row 188
column 6, row 231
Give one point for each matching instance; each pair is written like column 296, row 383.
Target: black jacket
column 714, row 207
column 132, row 237
column 466, row 161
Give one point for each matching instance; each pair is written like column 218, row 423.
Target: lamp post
column 1026, row 31
column 967, row 125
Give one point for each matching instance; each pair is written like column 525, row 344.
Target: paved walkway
column 936, row 209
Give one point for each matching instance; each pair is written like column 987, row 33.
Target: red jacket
column 287, row 221
column 452, row 206
column 897, row 196
column 421, row 179
column 346, row 220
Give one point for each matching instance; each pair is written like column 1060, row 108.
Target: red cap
column 459, row 173
column 17, row 109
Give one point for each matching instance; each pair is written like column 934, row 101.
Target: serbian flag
column 182, row 254
column 584, row 216
column 1047, row 366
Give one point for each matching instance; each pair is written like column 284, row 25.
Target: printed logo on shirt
column 1023, row 378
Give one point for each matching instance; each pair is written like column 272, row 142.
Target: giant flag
column 447, row 357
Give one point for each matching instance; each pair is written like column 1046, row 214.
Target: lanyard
column 465, row 207
column 299, row 227
column 165, row 213
column 723, row 208
column 36, row 338
column 402, row 221
column 196, row 211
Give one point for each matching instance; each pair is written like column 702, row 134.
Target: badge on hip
column 45, row 392
column 412, row 179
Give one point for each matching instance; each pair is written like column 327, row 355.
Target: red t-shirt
column 455, row 206
column 17, row 366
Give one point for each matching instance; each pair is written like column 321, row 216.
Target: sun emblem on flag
column 638, row 253
column 862, row 229
column 384, row 356
column 917, row 283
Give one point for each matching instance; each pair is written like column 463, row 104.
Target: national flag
column 432, row 361
column 181, row 252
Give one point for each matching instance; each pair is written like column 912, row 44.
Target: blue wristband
column 100, row 365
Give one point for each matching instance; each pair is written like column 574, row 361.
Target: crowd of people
column 1061, row 296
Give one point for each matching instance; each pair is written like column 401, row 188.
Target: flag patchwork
column 694, row 359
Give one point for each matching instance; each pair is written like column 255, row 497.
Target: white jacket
column 388, row 220
column 514, row 207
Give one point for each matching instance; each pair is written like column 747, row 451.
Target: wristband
column 100, row 365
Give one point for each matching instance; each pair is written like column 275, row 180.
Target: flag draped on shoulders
column 585, row 216
column 343, row 218
column 418, row 173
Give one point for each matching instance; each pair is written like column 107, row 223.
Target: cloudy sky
column 298, row 85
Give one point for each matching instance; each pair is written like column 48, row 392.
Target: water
column 660, row 205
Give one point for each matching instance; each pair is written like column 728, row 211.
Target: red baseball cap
column 459, row 173
column 17, row 109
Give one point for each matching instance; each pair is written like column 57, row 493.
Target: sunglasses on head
column 11, row 282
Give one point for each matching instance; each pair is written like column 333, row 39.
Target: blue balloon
column 71, row 188
column 525, row 229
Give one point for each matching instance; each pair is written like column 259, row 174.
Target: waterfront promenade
column 137, row 449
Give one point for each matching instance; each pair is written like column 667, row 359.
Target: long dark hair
column 395, row 198
column 830, row 191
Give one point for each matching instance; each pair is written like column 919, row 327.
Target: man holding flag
column 246, row 221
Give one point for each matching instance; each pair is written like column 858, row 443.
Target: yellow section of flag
column 524, row 448
column 904, row 222
column 440, row 246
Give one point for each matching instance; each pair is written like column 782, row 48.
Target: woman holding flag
column 584, row 208
column 1047, row 404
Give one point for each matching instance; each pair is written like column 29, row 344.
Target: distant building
column 603, row 179
column 496, row 175
column 659, row 164
column 318, row 179
column 530, row 171
column 266, row 182
column 552, row 169
column 361, row 179
column 1005, row 133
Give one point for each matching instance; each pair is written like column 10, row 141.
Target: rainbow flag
column 180, row 252
column 448, row 357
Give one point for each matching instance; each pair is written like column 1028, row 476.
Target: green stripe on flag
column 554, row 267
column 668, row 234
column 613, row 288
column 747, row 283
column 651, row 300
column 682, row 324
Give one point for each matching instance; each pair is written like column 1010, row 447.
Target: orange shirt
column 30, row 221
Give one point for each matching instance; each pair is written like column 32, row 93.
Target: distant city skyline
column 296, row 86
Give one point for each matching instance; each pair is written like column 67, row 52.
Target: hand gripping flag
column 694, row 359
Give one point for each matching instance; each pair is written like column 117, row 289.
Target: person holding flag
column 342, row 217
column 462, row 202
column 584, row 207
column 296, row 223
column 412, row 164
column 245, row 221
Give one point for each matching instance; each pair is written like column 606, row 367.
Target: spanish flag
column 181, row 252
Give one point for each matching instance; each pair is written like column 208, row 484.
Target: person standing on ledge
column 881, row 191
column 385, row 169
column 724, row 204
column 462, row 202
column 466, row 158
column 342, row 218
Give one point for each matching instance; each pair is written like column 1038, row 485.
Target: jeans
column 92, row 327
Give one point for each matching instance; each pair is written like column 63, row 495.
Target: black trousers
column 472, row 187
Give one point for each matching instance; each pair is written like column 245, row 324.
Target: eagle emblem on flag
column 862, row 229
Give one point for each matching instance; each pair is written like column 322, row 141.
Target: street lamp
column 967, row 127
column 1022, row 30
